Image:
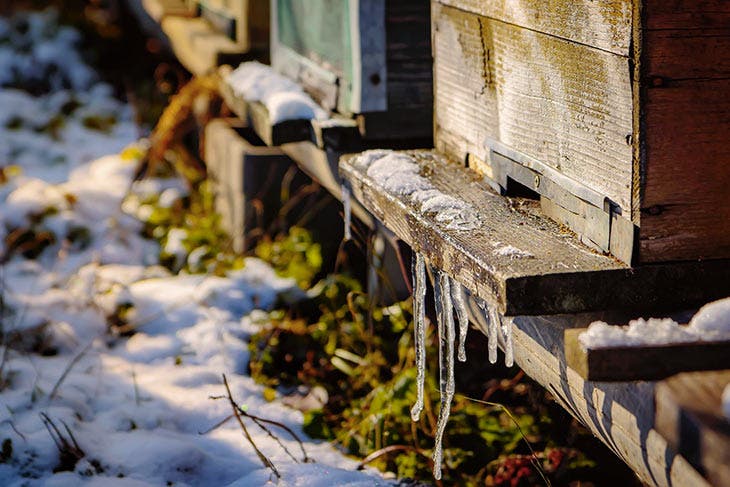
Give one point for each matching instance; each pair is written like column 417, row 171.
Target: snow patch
column 135, row 406
column 283, row 98
column 711, row 323
column 399, row 174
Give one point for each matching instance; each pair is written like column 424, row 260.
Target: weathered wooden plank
column 199, row 47
column 686, row 105
column 643, row 363
column 619, row 414
column 321, row 165
column 605, row 24
column 409, row 63
column 567, row 105
column 255, row 115
column 547, row 270
column 686, row 14
column 243, row 170
column 689, row 415
column 157, row 9
column 684, row 209
column 246, row 22
column 277, row 133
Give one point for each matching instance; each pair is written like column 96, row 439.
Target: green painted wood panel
column 318, row 30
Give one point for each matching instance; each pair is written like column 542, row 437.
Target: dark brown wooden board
column 685, row 72
column 338, row 134
column 689, row 415
column 561, row 275
column 619, row 364
column 242, row 171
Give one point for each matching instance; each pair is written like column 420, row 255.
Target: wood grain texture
column 695, row 15
column 604, row 24
column 685, row 213
column 557, row 274
column 567, row 105
column 689, row 415
column 241, row 172
column 618, row 364
column 620, row 414
column 321, row 166
column 408, row 55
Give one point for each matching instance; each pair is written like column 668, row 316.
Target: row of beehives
column 614, row 114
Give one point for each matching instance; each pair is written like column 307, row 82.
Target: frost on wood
column 419, row 314
column 400, row 174
column 446, row 333
column 711, row 323
column 512, row 252
column 283, row 98
column 457, row 296
column 347, row 211
column 726, row 402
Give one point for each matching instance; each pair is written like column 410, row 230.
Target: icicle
column 493, row 328
column 508, row 349
column 418, row 268
column 457, row 296
column 445, row 316
column 347, row 210
column 494, row 324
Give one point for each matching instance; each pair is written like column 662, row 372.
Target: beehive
column 617, row 112
column 369, row 59
column 245, row 22
column 225, row 32
column 242, row 170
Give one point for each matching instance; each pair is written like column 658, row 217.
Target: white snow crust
column 710, row 323
column 283, row 98
column 399, row 174
column 136, row 406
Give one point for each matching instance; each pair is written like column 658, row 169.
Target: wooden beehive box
column 224, row 32
column 616, row 112
column 243, row 170
column 245, row 22
column 370, row 59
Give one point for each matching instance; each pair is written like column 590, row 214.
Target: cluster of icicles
column 448, row 296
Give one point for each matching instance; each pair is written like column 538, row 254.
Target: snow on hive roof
column 283, row 98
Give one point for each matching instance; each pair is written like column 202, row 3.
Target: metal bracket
column 590, row 214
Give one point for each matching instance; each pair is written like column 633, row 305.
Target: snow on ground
column 136, row 406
